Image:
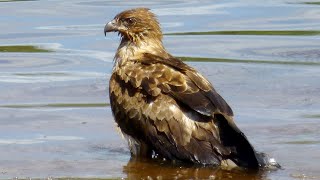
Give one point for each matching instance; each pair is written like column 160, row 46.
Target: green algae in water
column 23, row 48
column 14, row 0
column 56, row 105
column 314, row 3
column 203, row 59
column 316, row 116
column 254, row 32
column 65, row 178
column 41, row 74
column 302, row 142
column 72, row 178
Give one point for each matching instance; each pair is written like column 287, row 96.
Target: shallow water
column 55, row 120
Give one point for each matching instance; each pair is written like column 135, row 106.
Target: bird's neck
column 129, row 50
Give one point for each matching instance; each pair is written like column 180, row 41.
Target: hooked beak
column 110, row 26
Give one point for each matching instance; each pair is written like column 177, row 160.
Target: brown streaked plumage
column 165, row 107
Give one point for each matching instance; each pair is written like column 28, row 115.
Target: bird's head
column 135, row 24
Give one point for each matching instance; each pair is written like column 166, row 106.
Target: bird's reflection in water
column 151, row 169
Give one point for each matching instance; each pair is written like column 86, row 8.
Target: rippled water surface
column 55, row 120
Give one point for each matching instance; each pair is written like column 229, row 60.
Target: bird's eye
column 129, row 21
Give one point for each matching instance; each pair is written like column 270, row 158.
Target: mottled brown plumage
column 165, row 107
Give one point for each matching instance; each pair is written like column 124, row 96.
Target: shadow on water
column 148, row 169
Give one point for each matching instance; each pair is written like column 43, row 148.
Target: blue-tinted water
column 54, row 115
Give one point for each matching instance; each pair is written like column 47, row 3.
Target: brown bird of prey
column 165, row 107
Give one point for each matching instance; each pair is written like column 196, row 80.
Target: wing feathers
column 183, row 83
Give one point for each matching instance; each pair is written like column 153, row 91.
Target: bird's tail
column 244, row 155
column 266, row 161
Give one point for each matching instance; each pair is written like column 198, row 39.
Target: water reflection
column 149, row 169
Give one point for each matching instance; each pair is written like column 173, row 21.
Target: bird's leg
column 139, row 148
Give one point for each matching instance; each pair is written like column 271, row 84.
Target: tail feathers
column 266, row 161
column 243, row 154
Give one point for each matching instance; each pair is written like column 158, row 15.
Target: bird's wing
column 187, row 85
column 155, row 76
column 171, row 76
